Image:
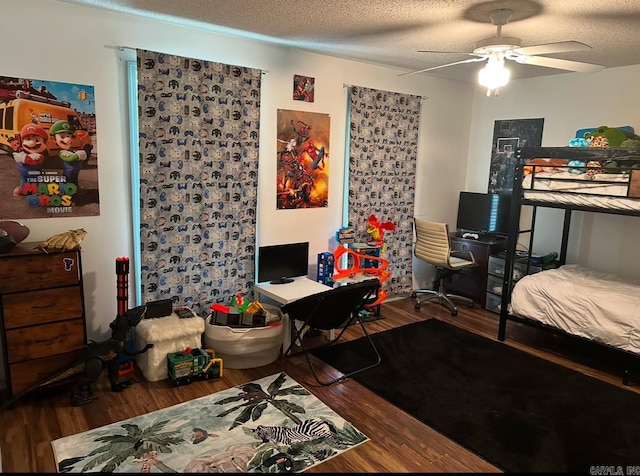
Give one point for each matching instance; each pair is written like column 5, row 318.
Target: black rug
column 519, row 412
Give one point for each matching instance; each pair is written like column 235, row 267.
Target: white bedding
column 580, row 191
column 583, row 302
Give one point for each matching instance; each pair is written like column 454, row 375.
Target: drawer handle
column 47, row 341
column 42, row 306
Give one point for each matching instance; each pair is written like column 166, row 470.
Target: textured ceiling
column 390, row 32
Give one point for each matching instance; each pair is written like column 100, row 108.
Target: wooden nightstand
column 42, row 324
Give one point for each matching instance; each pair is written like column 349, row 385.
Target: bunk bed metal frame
column 522, row 158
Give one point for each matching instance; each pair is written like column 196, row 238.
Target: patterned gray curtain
column 198, row 130
column 383, row 150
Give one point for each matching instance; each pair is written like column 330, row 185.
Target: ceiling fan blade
column 446, row 52
column 560, row 47
column 470, row 60
column 560, row 64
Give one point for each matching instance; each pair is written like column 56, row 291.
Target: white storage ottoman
column 168, row 334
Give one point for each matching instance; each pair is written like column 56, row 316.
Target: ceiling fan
column 500, row 48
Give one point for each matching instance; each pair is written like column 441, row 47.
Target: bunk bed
column 571, row 299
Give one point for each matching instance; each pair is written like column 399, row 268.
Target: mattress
column 577, row 300
column 602, row 190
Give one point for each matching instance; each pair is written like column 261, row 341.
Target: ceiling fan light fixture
column 494, row 75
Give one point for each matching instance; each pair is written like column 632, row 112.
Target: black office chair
column 332, row 309
column 434, row 247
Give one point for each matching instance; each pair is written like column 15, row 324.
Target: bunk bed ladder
column 512, row 242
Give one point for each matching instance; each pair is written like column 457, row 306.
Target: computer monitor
column 279, row 264
column 483, row 213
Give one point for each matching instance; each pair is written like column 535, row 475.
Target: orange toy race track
column 345, row 273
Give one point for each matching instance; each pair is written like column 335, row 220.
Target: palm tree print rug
column 269, row 425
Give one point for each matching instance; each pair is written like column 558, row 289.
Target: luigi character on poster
column 72, row 159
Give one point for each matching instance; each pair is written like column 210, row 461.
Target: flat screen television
column 483, row 213
column 279, row 264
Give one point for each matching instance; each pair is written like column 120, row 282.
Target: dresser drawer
column 27, row 373
column 42, row 321
column 33, row 342
column 41, row 307
column 25, row 273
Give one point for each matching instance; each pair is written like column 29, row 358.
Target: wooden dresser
column 42, row 323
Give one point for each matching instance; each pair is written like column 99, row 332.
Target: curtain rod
column 124, row 48
column 345, row 85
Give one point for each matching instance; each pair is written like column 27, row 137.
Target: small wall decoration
column 508, row 136
column 303, row 160
column 48, row 154
column 303, row 88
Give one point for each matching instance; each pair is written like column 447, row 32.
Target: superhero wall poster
column 48, row 149
column 303, row 160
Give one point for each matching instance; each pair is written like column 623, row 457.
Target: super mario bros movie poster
column 48, row 149
column 303, row 160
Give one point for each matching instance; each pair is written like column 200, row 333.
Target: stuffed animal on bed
column 599, row 141
column 615, row 136
column 578, row 142
column 545, row 165
column 630, row 143
column 577, row 166
column 594, row 168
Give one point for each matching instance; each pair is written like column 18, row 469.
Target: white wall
column 80, row 45
column 567, row 102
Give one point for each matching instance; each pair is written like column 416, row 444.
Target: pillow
column 544, row 165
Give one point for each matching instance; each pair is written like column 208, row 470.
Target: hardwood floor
column 399, row 442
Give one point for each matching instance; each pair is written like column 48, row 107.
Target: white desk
column 289, row 292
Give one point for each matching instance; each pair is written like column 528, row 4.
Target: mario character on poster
column 303, row 160
column 48, row 153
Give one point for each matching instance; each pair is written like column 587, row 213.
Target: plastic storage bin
column 246, row 347
column 496, row 268
column 493, row 303
column 494, row 284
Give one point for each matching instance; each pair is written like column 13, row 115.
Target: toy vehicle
column 193, row 364
column 15, row 113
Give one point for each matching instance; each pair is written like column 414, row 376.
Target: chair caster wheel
column 417, row 306
column 414, row 295
column 454, row 312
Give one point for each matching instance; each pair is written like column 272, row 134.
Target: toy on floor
column 125, row 366
column 192, row 364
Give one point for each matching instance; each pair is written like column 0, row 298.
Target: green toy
column 615, row 137
column 630, row 143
